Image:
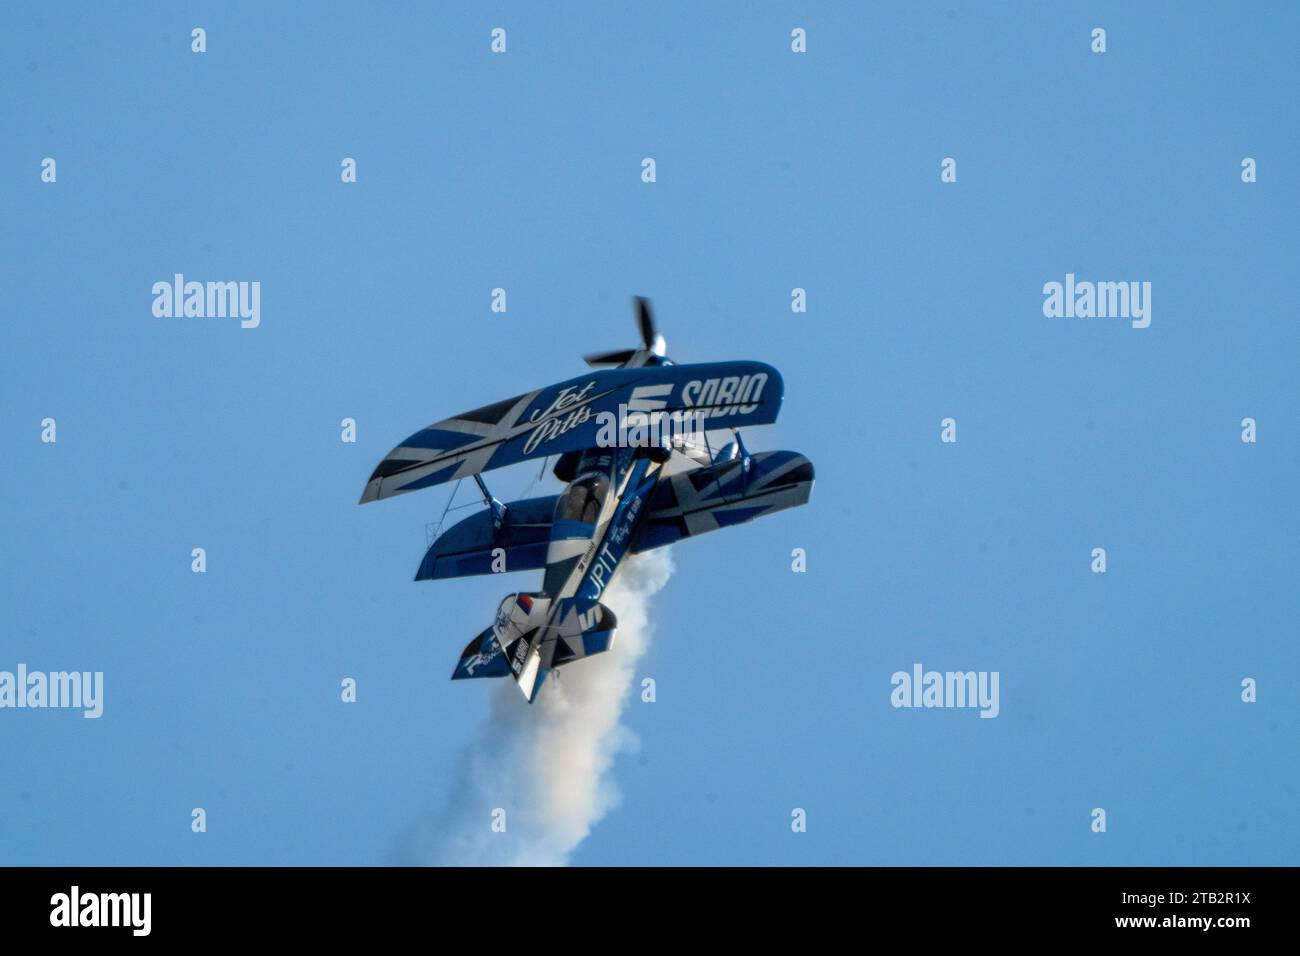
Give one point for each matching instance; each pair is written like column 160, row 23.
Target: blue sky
column 775, row 171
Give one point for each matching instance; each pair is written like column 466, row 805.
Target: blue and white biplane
column 616, row 432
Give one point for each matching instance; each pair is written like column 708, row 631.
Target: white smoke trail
column 547, row 764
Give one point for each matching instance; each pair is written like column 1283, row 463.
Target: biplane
column 624, row 490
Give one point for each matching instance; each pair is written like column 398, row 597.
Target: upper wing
column 567, row 417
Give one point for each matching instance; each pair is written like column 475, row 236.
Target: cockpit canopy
column 585, row 496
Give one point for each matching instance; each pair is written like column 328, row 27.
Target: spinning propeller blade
column 651, row 341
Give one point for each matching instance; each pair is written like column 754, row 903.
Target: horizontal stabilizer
column 583, row 627
column 482, row 657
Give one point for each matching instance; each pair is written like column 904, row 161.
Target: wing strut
column 497, row 508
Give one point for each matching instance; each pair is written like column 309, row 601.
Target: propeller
column 617, row 357
column 650, row 337
column 652, row 343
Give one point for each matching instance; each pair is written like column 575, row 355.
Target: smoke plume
column 547, row 765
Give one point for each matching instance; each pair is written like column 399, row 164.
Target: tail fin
column 532, row 636
column 518, row 629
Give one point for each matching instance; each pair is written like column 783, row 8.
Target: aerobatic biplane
column 620, row 498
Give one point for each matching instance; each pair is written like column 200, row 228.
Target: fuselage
column 596, row 521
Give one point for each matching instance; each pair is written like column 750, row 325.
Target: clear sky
column 775, row 170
